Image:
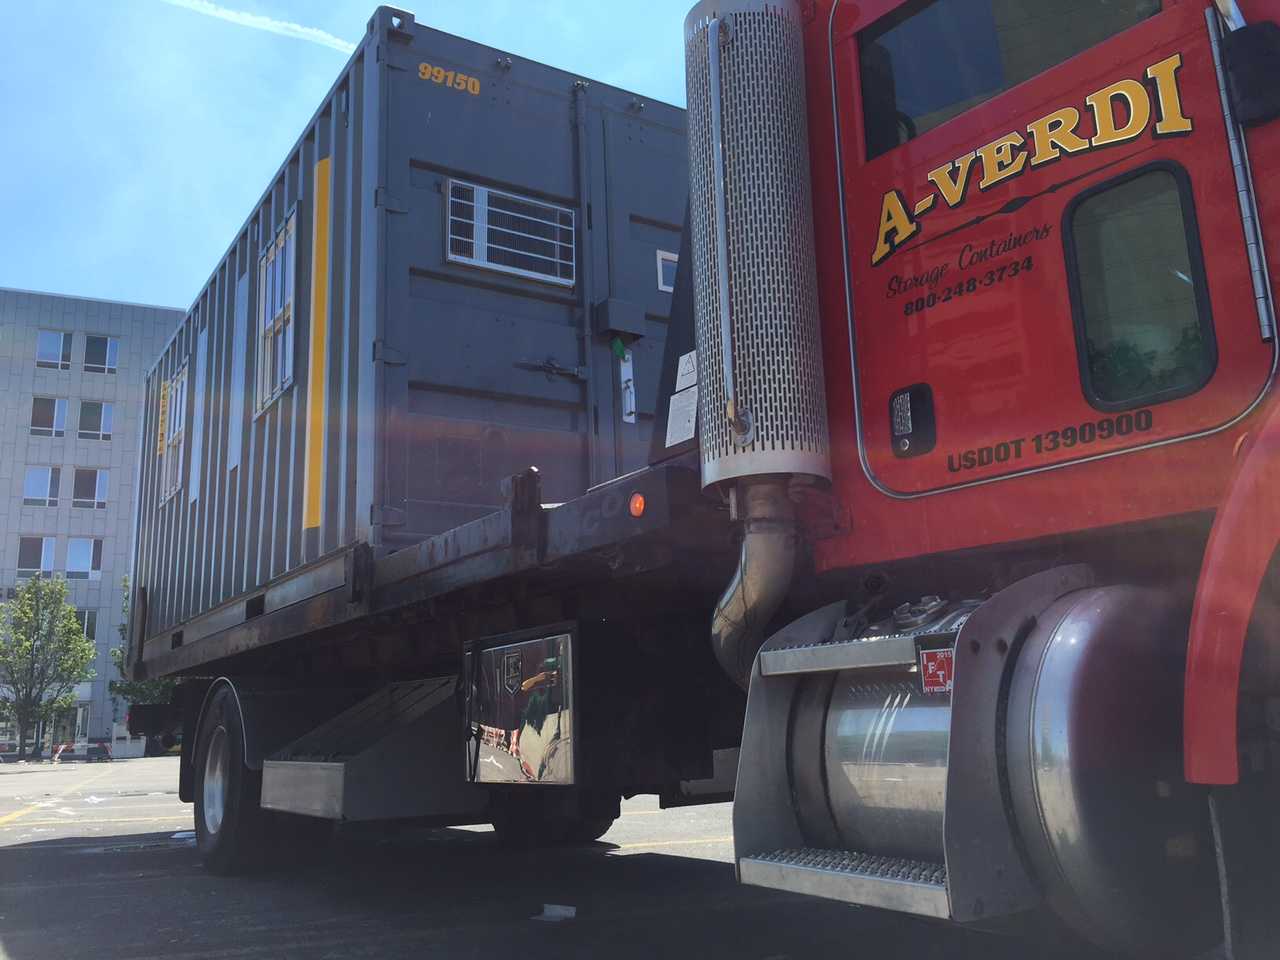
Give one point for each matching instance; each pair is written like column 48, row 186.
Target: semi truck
column 953, row 554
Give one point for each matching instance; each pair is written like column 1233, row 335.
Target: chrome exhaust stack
column 762, row 420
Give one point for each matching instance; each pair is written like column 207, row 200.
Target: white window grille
column 95, row 420
column 510, row 233
column 667, row 263
column 35, row 557
column 84, row 558
column 89, row 488
column 174, row 403
column 276, row 269
column 40, row 486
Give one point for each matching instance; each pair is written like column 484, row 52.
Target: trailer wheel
column 588, row 830
column 536, row 819
column 229, row 821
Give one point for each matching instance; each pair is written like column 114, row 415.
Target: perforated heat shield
column 757, row 196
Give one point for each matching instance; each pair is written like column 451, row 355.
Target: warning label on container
column 682, row 416
column 687, row 371
column 937, row 670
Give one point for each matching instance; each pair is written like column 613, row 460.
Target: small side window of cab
column 1138, row 290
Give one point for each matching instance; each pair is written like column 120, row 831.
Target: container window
column 932, row 60
column 101, row 354
column 53, row 350
column 35, row 557
column 510, row 233
column 40, row 486
column 174, row 402
column 48, row 417
column 667, row 263
column 89, row 488
column 1138, row 290
column 276, row 271
column 95, row 420
column 84, row 558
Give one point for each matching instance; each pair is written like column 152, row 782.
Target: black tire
column 230, row 825
column 530, row 818
column 586, row 830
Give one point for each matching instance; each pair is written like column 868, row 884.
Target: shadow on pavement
column 447, row 893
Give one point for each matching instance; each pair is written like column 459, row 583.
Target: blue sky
column 138, row 134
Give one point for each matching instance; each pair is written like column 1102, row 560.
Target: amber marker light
column 637, row 505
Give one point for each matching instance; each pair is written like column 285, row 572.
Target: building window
column 972, row 51
column 275, row 315
column 667, row 263
column 511, row 234
column 40, row 487
column 35, row 557
column 88, row 623
column 1138, row 290
column 173, row 417
column 53, row 350
column 89, row 489
column 48, row 417
column 95, row 420
column 84, row 558
column 101, row 354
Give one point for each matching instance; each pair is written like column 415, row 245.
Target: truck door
column 1046, row 256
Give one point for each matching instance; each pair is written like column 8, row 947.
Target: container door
column 1047, row 255
column 646, row 158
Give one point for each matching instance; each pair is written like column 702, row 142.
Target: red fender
column 1241, row 544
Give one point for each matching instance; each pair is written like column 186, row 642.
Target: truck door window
column 1138, row 290
column 930, row 61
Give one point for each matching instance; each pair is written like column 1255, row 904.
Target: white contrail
column 258, row 22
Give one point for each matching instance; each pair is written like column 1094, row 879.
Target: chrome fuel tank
column 1088, row 751
column 878, row 781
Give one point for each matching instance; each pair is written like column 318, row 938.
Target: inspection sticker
column 937, row 670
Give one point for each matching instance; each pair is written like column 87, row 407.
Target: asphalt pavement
column 99, row 861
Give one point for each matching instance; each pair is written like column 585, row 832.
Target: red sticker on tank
column 937, row 670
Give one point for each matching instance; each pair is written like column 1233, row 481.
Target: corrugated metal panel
column 414, row 382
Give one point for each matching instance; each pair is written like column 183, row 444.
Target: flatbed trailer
column 974, row 344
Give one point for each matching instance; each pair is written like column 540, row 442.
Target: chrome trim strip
column 1244, row 182
column 1231, row 15
column 853, row 350
column 722, row 228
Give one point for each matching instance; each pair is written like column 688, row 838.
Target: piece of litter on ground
column 92, row 799
column 555, row 913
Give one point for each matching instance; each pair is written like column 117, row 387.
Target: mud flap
column 1246, row 834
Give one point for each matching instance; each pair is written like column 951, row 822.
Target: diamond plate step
column 908, row 886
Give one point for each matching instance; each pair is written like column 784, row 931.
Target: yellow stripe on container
column 317, row 366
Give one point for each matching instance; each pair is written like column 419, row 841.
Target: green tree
column 43, row 654
column 127, row 689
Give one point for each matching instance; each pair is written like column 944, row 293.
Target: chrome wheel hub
column 217, row 764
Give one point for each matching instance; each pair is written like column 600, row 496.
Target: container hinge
column 387, row 516
column 383, row 198
column 388, row 355
column 552, row 369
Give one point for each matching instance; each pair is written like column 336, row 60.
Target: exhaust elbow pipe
column 765, row 564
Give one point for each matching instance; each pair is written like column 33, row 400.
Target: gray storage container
column 462, row 268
